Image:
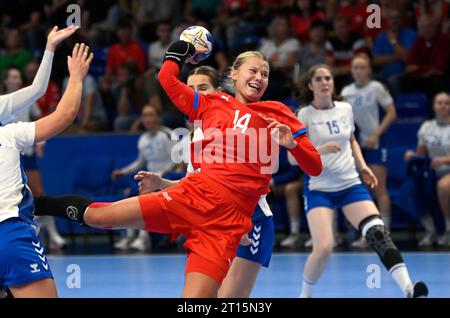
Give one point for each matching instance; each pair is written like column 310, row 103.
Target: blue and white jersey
column 436, row 139
column 332, row 124
column 16, row 199
column 366, row 102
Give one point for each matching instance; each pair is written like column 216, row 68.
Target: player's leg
column 240, row 279
column 320, row 223
column 443, row 192
column 381, row 194
column 199, row 285
column 121, row 214
column 43, row 288
column 245, row 268
column 24, row 268
column 365, row 216
column 292, row 193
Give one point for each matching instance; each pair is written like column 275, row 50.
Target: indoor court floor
column 161, row 275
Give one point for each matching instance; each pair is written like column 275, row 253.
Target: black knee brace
column 372, row 228
column 66, row 206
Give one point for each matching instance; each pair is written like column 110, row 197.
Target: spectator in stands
column 155, row 156
column 314, row 51
column 28, row 16
column 429, row 60
column 152, row 12
column 304, row 14
column 438, row 9
column 434, row 141
column 354, row 10
column 341, row 48
column 374, row 111
column 281, row 50
column 15, row 54
column 391, row 50
column 157, row 49
column 127, row 49
column 130, row 101
column 92, row 116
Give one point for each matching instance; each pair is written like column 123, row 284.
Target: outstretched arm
column 69, row 105
column 15, row 102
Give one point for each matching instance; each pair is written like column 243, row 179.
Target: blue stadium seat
column 411, row 107
column 125, row 186
column 92, row 177
column 402, row 135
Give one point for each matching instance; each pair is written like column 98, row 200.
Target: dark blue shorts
column 375, row 156
column 22, row 256
column 30, row 162
column 335, row 200
column 262, row 235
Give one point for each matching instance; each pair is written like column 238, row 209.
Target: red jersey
column 225, row 122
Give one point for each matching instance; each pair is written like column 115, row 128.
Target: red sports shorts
column 198, row 209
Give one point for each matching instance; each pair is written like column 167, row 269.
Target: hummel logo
column 34, row 268
column 167, row 196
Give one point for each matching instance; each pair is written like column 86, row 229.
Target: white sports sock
column 401, row 276
column 447, row 224
column 307, row 289
column 295, row 225
column 428, row 223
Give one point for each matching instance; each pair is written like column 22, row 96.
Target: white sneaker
column 418, row 290
column 293, row 240
column 142, row 243
column 428, row 240
column 124, row 243
column 444, row 239
column 309, row 243
column 360, row 243
column 57, row 242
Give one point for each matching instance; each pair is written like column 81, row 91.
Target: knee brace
column 372, row 228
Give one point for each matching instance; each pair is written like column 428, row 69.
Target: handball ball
column 200, row 37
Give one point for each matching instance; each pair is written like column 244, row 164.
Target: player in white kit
column 18, row 101
column 330, row 127
column 23, row 265
column 368, row 97
column 434, row 141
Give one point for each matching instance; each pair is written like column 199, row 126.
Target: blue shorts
column 22, row 256
column 335, row 200
column 375, row 156
column 262, row 235
column 30, row 162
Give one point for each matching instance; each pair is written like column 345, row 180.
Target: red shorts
column 199, row 210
